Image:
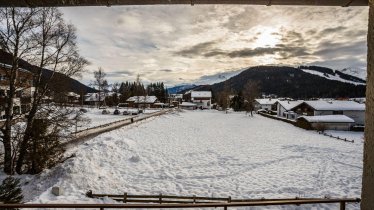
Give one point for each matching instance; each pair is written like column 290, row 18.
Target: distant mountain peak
column 333, row 74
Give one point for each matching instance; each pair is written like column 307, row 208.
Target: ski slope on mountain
column 331, row 77
column 207, row 153
column 357, row 72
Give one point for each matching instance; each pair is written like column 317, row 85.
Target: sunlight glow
column 268, row 37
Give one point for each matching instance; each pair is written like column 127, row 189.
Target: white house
column 351, row 109
column 94, row 99
column 265, row 104
column 284, row 109
column 326, row 122
column 202, row 99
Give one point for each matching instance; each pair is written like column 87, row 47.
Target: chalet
column 142, row 101
column 24, row 90
column 285, row 109
column 351, row 109
column 325, row 122
column 202, row 99
column 94, row 99
column 265, row 104
column 72, row 97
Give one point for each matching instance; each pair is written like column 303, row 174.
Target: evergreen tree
column 10, row 190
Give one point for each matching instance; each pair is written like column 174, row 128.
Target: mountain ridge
column 286, row 81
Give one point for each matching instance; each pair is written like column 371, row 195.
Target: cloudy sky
column 180, row 44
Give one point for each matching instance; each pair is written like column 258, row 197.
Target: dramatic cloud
column 178, row 44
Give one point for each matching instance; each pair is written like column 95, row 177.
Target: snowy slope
column 218, row 77
column 180, row 88
column 185, row 154
column 360, row 73
column 331, row 77
column 206, row 80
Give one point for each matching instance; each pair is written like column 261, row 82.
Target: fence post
column 125, row 197
column 342, row 205
column 160, row 199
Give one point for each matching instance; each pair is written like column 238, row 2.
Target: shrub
column 10, row 190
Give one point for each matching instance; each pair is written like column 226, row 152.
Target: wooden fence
column 93, row 131
column 170, row 201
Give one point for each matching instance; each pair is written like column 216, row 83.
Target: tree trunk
column 7, row 137
column 368, row 172
column 7, row 132
column 8, row 166
column 25, row 140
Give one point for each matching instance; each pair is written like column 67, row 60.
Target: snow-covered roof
column 94, row 97
column 266, row 101
column 203, row 94
column 72, row 94
column 176, row 95
column 336, row 105
column 142, row 99
column 287, row 105
column 187, row 104
column 328, row 119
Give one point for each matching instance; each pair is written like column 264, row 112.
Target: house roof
column 328, row 119
column 142, row 99
column 266, row 101
column 72, row 94
column 203, row 94
column 335, row 105
column 288, row 105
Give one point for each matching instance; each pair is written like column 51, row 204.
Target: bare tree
column 138, row 91
column 250, row 92
column 16, row 28
column 57, row 51
column 100, row 83
column 224, row 96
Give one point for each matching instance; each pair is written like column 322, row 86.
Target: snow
column 201, row 94
column 206, row 153
column 287, row 105
column 187, row 104
column 143, row 99
column 357, row 72
column 349, row 135
column 331, row 77
column 97, row 118
column 336, row 105
column 328, row 119
column 92, row 97
column 266, row 101
column 218, row 77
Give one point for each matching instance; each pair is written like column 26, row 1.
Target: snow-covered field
column 97, row 118
column 207, row 153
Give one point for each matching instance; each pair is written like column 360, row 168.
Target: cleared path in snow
column 208, row 153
